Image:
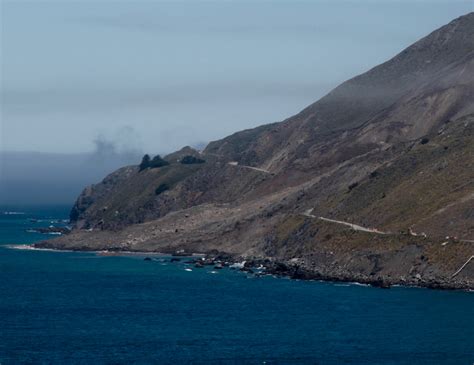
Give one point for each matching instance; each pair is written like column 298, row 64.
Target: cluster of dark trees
column 157, row 161
column 148, row 162
column 189, row 160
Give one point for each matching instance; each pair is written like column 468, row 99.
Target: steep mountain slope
column 431, row 66
column 391, row 151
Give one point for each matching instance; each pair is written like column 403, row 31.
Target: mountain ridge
column 390, row 150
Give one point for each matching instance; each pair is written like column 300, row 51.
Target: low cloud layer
column 188, row 71
column 33, row 178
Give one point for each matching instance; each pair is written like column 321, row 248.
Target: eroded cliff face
column 391, row 151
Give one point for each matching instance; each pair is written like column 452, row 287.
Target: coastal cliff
column 374, row 182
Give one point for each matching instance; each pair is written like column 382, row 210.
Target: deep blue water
column 68, row 308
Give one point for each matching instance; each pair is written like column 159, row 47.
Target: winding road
column 353, row 226
column 463, row 266
column 235, row 163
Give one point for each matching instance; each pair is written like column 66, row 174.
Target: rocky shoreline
column 50, row 230
column 292, row 268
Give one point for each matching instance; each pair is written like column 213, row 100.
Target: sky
column 154, row 76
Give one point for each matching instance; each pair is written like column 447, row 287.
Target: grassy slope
column 135, row 200
column 428, row 187
column 422, row 181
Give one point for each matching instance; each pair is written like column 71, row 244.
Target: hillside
column 390, row 151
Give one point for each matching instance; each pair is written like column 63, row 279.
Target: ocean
column 83, row 308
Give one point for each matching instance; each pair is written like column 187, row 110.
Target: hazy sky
column 160, row 75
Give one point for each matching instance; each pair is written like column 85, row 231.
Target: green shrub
column 374, row 174
column 353, row 185
column 189, row 160
column 160, row 189
column 158, row 162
